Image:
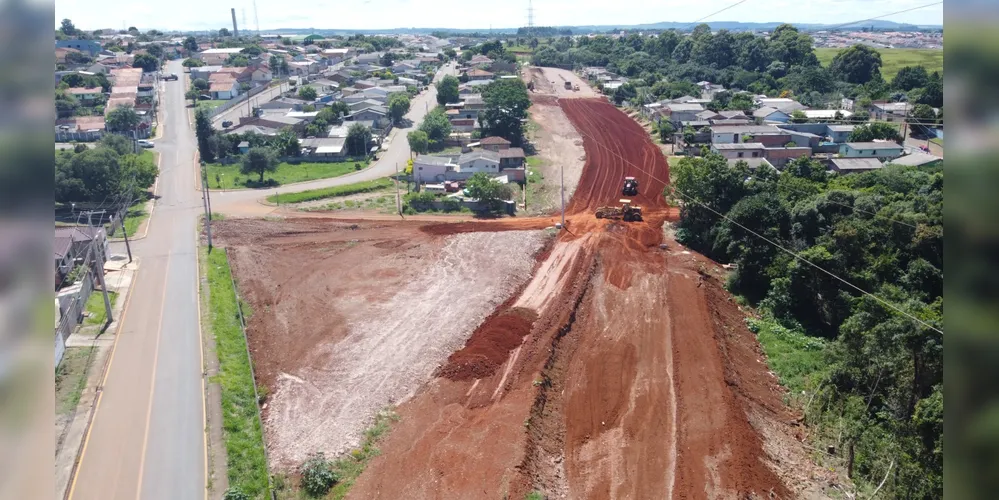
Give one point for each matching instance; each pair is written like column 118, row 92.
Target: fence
column 71, row 309
column 94, row 136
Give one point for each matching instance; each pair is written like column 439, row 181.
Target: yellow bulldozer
column 626, row 211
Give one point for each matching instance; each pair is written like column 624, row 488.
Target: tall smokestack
column 235, row 30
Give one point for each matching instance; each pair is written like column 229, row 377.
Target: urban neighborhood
column 538, row 262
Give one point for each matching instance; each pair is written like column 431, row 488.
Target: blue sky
column 375, row 14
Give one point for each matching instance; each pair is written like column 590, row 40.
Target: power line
column 881, row 16
column 736, row 4
column 754, row 233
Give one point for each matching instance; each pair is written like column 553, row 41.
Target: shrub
column 357, row 166
column 451, row 205
column 317, row 475
column 234, row 493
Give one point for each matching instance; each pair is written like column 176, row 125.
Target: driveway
column 247, row 203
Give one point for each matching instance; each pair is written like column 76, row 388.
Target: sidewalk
column 119, row 276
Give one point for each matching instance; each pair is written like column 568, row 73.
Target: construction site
column 597, row 360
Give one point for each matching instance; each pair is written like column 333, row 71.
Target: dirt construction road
column 636, row 377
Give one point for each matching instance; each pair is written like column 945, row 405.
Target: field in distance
column 894, row 59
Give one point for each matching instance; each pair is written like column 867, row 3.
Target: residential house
column 371, row 58
column 494, row 143
column 89, row 46
column 804, row 139
column 303, row 68
column 336, row 56
column 850, row 165
column 241, row 74
column 217, row 56
column 780, row 156
column 511, row 158
column 890, row 111
column 81, row 238
column 99, row 68
column 261, row 73
column 463, row 125
column 839, row 133
column 677, row 112
column 479, row 161
column 64, row 263
column 733, row 115
column 343, row 77
column 86, row 95
column 62, row 54
column 917, row 160
column 472, row 87
column 768, row 114
column 204, row 72
column 753, row 163
column 826, row 114
column 682, row 99
column 478, row 74
column 767, row 134
column 707, row 115
column 846, row 103
column 365, row 104
column 884, row 151
column 480, row 60
column 377, row 114
column 223, row 86
column 740, row 150
column 365, row 84
column 784, row 104
column 79, row 128
column 427, row 168
column 324, row 147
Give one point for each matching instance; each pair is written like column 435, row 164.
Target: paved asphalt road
column 147, row 437
column 246, row 202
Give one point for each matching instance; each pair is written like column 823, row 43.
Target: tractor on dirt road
column 630, row 187
column 626, row 211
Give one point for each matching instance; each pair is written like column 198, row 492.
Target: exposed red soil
column 638, row 378
column 489, row 345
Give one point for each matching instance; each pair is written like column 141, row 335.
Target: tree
column 193, row 95
column 398, row 105
column 67, row 28
column 204, row 131
column 287, row 144
column 489, row 192
column 624, row 93
column 450, row 53
column 192, row 63
column 308, row 93
column 447, row 90
column 155, row 50
column 910, row 77
column 418, row 141
column 65, row 104
column 147, row 62
column 932, row 94
column 436, row 125
column 190, row 44
column 857, row 64
column 224, row 32
column 238, row 60
column 200, row 84
column 689, row 135
column 358, row 139
column 387, row 59
column 259, row 161
column 872, row 131
column 666, row 131
column 122, row 119
column 506, row 103
column 117, row 143
column 798, row 116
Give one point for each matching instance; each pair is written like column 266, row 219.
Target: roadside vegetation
column 237, row 176
column 323, row 477
column 71, row 378
column 872, row 377
column 97, row 314
column 332, row 192
column 104, row 175
column 244, row 441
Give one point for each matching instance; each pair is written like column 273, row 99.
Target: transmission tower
column 530, row 17
column 256, row 20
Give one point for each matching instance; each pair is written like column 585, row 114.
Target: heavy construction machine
column 630, row 187
column 626, row 211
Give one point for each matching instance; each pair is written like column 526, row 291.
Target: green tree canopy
column 308, row 93
column 190, row 44
column 287, row 144
column 857, row 64
column 447, row 90
column 418, row 141
column 491, row 193
column 398, row 105
column 436, row 125
column 147, row 62
column 506, row 104
column 122, row 119
column 910, row 77
column 873, row 131
column 259, row 161
column 358, row 139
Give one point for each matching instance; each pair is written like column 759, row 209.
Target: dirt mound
column 489, row 345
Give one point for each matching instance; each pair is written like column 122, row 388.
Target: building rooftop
column 684, row 107
column 916, row 159
column 841, row 128
column 483, row 154
column 856, row 163
column 745, row 129
column 433, row 160
column 494, row 140
column 754, row 163
column 873, row 145
column 231, row 50
column 512, row 153
column 742, row 146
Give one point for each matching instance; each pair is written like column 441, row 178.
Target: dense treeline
column 879, row 384
column 783, row 64
column 102, row 174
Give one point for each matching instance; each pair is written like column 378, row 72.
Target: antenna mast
column 530, row 17
column 256, row 20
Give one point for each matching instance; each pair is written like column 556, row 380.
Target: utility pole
column 398, row 199
column 204, row 200
column 99, row 270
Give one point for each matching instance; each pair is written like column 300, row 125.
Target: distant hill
column 728, row 25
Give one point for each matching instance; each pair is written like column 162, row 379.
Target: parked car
column 205, row 97
column 171, row 76
column 145, row 144
column 226, row 123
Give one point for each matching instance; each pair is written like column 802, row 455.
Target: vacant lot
column 349, row 318
column 229, row 176
column 894, row 59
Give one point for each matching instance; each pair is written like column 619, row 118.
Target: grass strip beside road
column 332, row 192
column 71, row 378
column 797, row 359
column 230, row 177
column 243, row 436
column 97, row 314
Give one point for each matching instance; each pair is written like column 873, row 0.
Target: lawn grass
column 893, row 59
column 797, row 359
column 938, row 141
column 535, row 179
column 331, row 192
column 96, row 312
column 246, row 462
column 71, row 378
column 229, row 176
column 212, row 104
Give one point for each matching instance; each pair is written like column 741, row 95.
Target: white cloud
column 477, row 14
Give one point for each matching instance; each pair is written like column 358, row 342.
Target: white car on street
column 145, row 144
